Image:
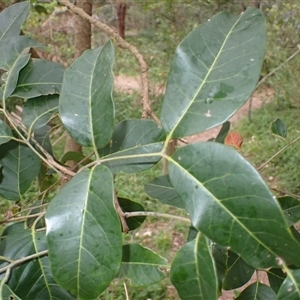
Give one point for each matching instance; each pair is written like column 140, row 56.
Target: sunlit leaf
column 290, row 289
column 213, row 73
column 257, row 291
column 279, row 128
column 141, row 265
column 162, row 189
column 19, row 168
column 39, row 77
column 193, row 272
column 229, row 202
column 86, row 104
column 38, row 111
column 83, row 214
column 5, row 132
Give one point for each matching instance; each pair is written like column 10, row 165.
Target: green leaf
column 257, row 291
column 39, row 77
column 12, row 18
column 229, row 202
column 223, row 133
column 86, row 104
column 42, row 136
column 7, row 293
column 31, row 280
column 141, row 265
column 38, row 111
column 279, row 128
column 40, row 9
column 233, row 271
column 131, row 206
column 290, row 289
column 193, row 271
column 11, row 49
column 276, row 278
column 237, row 272
column 162, row 189
column 5, row 132
column 291, row 208
column 83, row 214
column 213, row 73
column 13, row 74
column 133, row 138
column 19, row 168
column 75, row 156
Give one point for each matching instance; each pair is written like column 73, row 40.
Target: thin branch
column 147, row 111
column 155, row 214
column 285, row 192
column 24, row 259
column 279, row 152
column 22, row 218
column 126, row 291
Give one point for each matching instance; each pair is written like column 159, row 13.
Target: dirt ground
column 133, row 84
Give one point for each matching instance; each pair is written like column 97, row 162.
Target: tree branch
column 147, row 111
column 155, row 214
column 21, row 260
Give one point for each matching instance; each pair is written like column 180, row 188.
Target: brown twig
column 120, row 213
column 285, row 192
column 277, row 153
column 147, row 111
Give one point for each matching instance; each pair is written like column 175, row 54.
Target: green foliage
column 73, row 247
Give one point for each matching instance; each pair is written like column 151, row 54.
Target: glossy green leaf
column 257, row 291
column 19, row 168
column 193, row 271
column 38, row 111
column 131, row 206
column 7, row 293
column 279, row 128
column 12, row 18
column 229, row 202
column 31, row 280
column 276, row 278
column 39, row 77
column 223, row 133
column 5, row 132
column 133, row 138
column 162, row 189
column 83, row 214
column 11, row 49
column 290, row 289
column 141, row 265
column 213, row 73
column 86, row 104
column 13, row 74
column 291, row 209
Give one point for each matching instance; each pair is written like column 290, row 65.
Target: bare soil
column 133, row 84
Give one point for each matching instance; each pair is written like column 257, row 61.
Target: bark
column 82, row 42
column 121, row 12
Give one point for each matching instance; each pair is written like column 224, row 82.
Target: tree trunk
column 82, row 42
column 121, row 12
